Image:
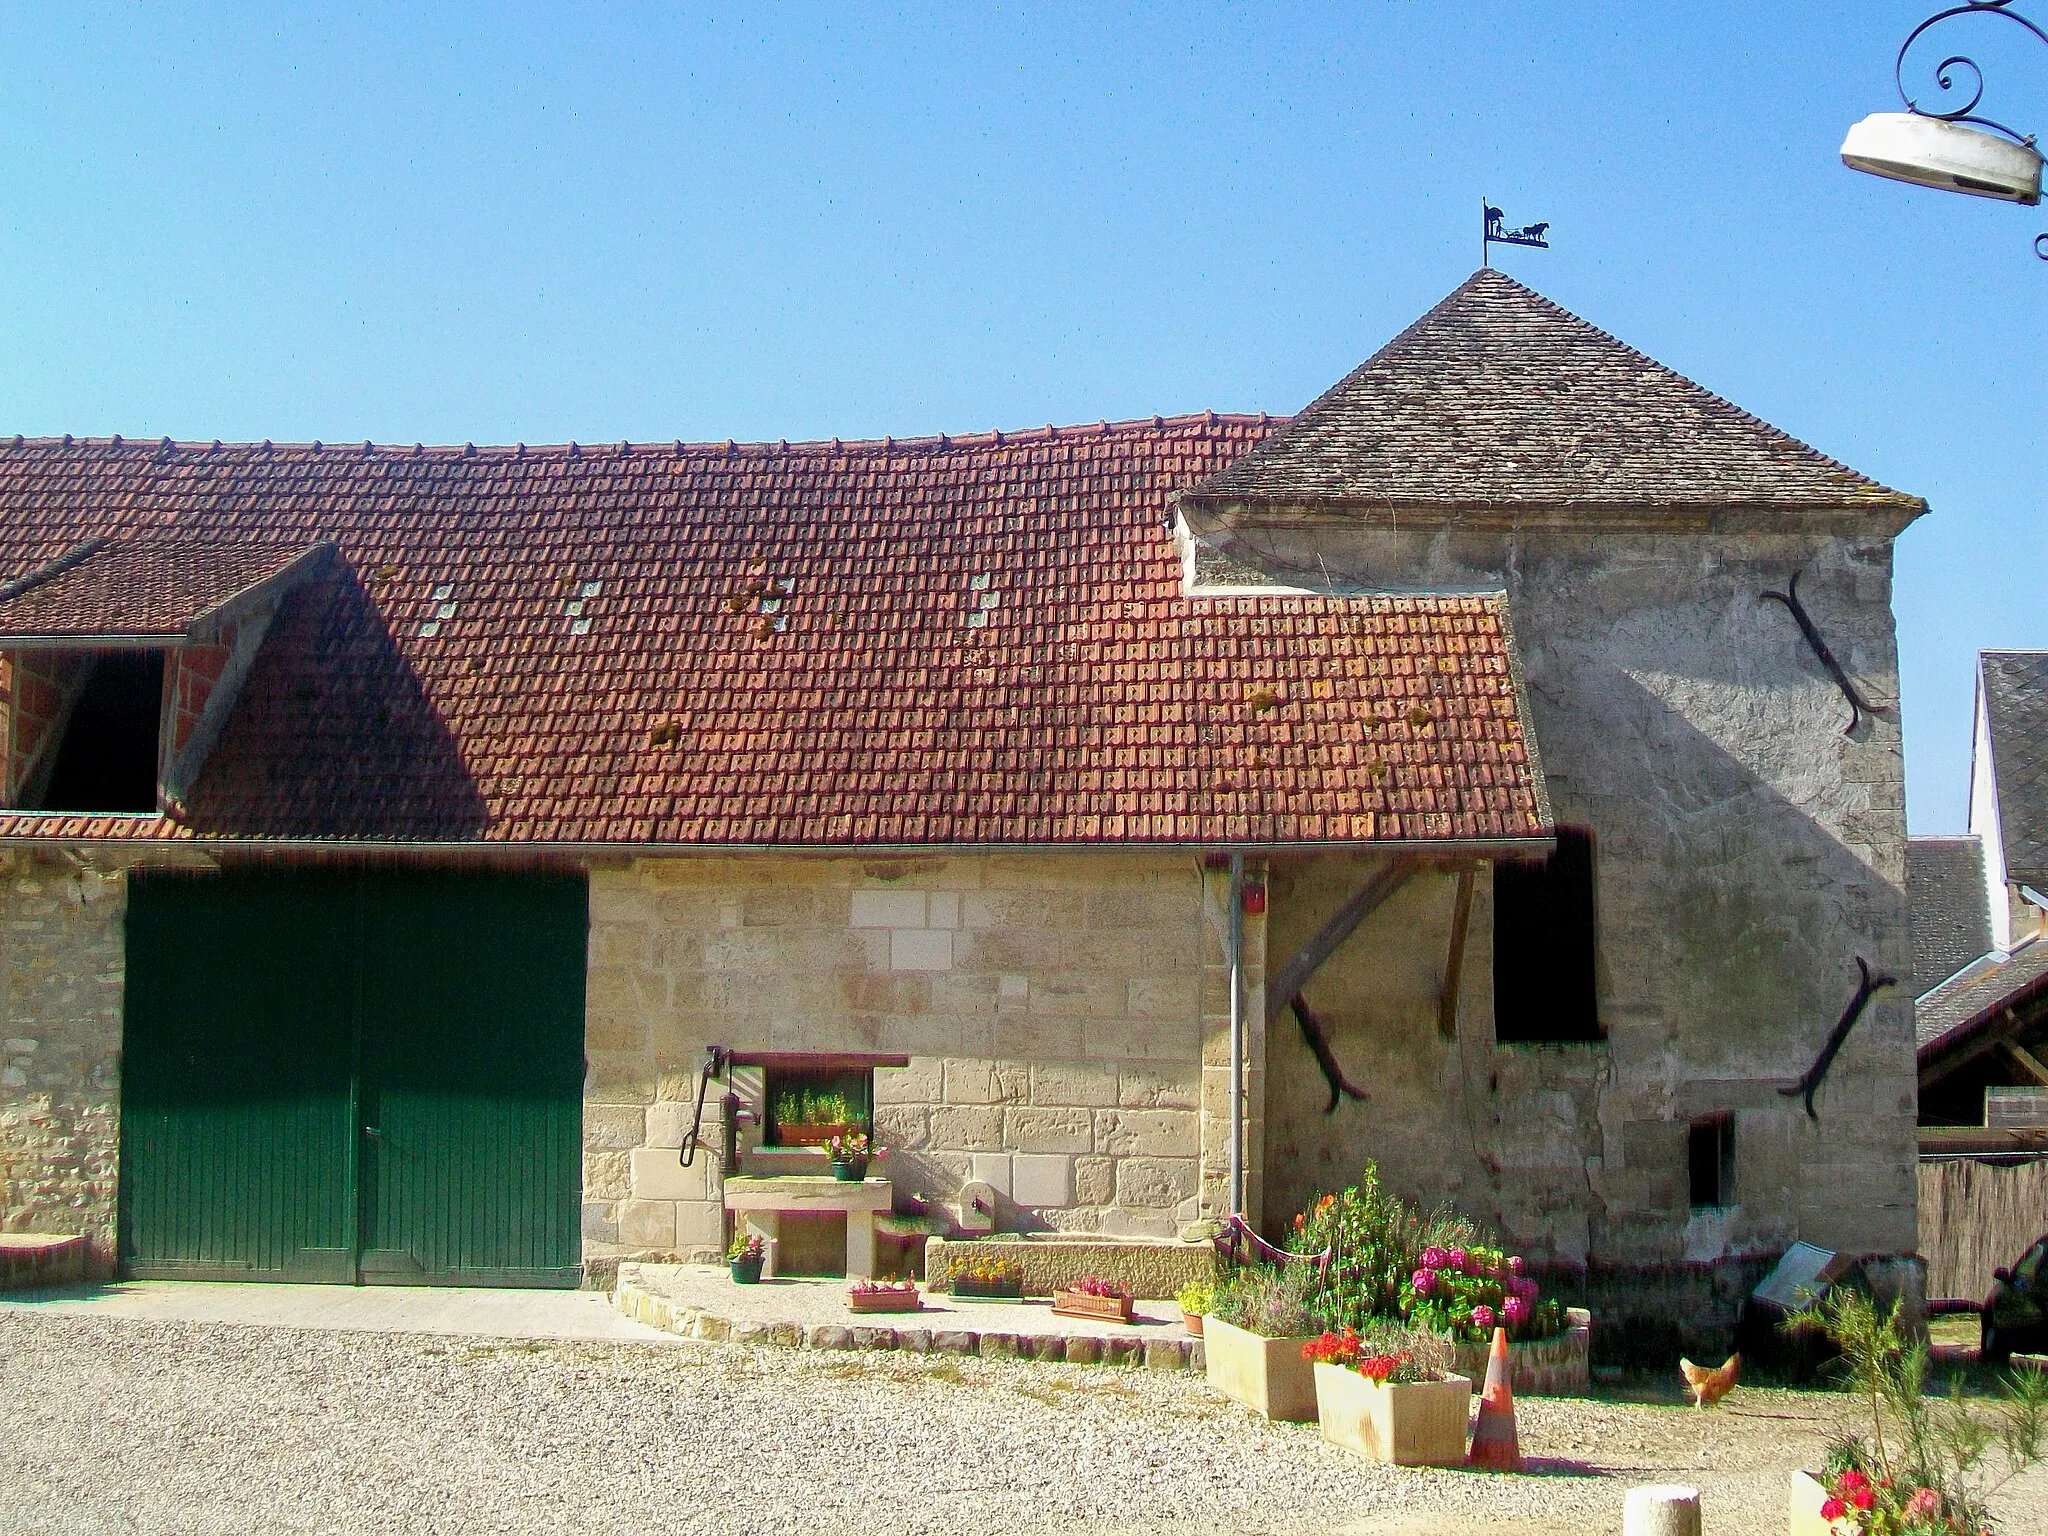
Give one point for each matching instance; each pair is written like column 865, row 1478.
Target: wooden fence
column 1975, row 1217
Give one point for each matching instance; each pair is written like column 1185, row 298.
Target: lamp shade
column 1931, row 152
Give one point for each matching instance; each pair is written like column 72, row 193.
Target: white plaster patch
column 920, row 949
column 1041, row 1179
column 888, row 909
column 993, row 1169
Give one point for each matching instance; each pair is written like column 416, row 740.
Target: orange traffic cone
column 1495, row 1446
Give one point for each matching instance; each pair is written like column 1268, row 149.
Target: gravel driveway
column 116, row 1425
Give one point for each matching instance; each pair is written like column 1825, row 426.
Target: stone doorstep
column 31, row 1260
column 694, row 1323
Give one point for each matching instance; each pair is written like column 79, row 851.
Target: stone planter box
column 1267, row 1375
column 1107, row 1309
column 1559, row 1366
column 1807, row 1496
column 1415, row 1424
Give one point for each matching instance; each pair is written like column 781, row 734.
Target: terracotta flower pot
column 1412, row 1424
column 1192, row 1321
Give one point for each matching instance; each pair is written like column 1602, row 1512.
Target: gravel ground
column 118, row 1425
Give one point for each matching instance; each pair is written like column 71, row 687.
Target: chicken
column 1710, row 1386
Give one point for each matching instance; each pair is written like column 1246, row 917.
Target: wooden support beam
column 1454, row 961
column 1293, row 976
column 2027, row 1062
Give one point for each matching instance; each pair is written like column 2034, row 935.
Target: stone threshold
column 643, row 1301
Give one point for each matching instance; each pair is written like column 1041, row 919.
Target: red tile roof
column 944, row 642
column 150, row 588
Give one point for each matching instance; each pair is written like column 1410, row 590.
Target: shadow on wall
column 1729, row 923
column 334, row 735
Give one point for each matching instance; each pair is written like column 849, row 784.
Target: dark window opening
column 808, row 1106
column 1710, row 1161
column 107, row 760
column 1544, row 942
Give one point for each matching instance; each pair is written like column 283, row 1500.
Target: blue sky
column 518, row 223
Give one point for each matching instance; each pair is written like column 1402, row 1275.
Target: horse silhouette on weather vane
column 1495, row 232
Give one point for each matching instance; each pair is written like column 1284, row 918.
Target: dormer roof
column 147, row 590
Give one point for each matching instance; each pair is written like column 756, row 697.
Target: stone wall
column 1065, row 1019
column 1747, row 852
column 60, row 1050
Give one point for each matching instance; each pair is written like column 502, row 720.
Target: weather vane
column 1496, row 233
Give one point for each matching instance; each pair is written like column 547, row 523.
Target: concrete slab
column 472, row 1313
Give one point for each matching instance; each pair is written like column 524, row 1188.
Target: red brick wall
column 38, row 685
column 190, row 679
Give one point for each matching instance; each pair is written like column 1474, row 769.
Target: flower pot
column 1192, row 1321
column 746, row 1271
column 987, row 1290
column 801, row 1135
column 1106, row 1309
column 892, row 1299
column 1267, row 1375
column 1807, row 1495
column 1412, row 1424
column 850, row 1173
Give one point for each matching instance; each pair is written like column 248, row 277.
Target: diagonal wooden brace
column 1294, row 975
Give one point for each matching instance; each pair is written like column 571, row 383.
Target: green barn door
column 354, row 1076
column 235, row 1073
column 472, row 1080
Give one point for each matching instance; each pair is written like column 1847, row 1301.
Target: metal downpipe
column 1236, row 1035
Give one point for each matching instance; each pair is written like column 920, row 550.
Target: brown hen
column 1710, row 1386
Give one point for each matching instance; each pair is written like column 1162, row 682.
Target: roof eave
column 1889, row 513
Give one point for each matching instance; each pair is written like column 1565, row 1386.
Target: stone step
column 31, row 1260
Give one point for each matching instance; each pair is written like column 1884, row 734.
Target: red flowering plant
column 1928, row 1467
column 1395, row 1357
column 1469, row 1290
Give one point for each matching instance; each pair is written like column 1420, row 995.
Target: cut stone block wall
column 61, row 957
column 1062, row 1015
column 1747, row 851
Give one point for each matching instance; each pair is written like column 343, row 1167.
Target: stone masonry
column 1065, row 1017
column 1747, row 851
column 60, row 1051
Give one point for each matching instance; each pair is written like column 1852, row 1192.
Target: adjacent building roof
column 139, row 589
column 1977, row 996
column 2016, row 711
column 1499, row 399
column 1951, row 913
column 965, row 641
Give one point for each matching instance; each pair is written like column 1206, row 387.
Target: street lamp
column 1953, row 149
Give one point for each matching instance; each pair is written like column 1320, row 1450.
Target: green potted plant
column 811, row 1117
column 745, row 1257
column 1928, row 1464
column 1389, row 1396
column 1106, row 1301
column 985, row 1277
column 849, row 1152
column 1257, row 1323
column 1193, row 1299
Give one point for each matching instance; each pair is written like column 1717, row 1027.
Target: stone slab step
column 32, row 1260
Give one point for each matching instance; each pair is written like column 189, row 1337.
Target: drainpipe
column 1236, row 1034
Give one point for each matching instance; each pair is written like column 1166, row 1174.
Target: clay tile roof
column 960, row 641
column 1946, row 893
column 136, row 588
column 2016, row 711
column 1499, row 398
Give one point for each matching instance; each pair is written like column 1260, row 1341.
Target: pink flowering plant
column 1929, row 1465
column 1467, row 1291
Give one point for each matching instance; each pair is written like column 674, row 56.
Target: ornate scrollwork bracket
column 1963, row 92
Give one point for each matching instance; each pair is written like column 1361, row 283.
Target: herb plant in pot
column 850, row 1152
column 1193, row 1299
column 745, row 1257
column 1388, row 1396
column 1258, row 1322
